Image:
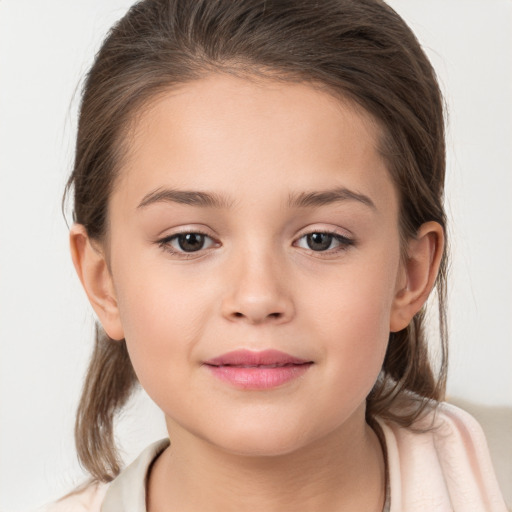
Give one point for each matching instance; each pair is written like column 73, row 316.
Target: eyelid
column 164, row 242
column 345, row 240
column 330, row 230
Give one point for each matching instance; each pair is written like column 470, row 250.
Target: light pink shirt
column 446, row 469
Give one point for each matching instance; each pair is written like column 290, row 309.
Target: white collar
column 128, row 491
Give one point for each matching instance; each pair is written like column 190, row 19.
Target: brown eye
column 190, row 242
column 319, row 241
column 186, row 243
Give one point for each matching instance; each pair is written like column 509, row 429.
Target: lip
column 261, row 370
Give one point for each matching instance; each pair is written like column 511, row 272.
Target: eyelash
column 165, row 244
column 343, row 241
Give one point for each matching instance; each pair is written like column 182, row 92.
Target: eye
column 321, row 241
column 187, row 242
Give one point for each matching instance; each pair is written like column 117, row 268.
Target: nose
column 258, row 291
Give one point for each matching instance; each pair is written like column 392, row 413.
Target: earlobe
column 419, row 272
column 92, row 269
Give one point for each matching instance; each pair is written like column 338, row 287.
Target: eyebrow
column 188, row 197
column 323, row 198
column 212, row 200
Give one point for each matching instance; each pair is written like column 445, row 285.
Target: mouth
column 266, row 369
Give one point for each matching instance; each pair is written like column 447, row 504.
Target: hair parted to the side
column 360, row 50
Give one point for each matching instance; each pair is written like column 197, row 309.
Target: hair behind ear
column 109, row 382
column 407, row 378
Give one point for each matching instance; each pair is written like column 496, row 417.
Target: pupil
column 191, row 242
column 319, row 241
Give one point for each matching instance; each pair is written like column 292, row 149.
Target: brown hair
column 359, row 49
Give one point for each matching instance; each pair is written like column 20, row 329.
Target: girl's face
column 255, row 261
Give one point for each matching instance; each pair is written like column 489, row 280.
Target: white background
column 45, row 322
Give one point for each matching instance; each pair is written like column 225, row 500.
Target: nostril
column 237, row 314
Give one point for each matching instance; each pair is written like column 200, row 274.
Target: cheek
column 358, row 295
column 352, row 310
column 163, row 320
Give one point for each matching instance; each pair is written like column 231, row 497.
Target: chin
column 265, row 445
column 261, row 440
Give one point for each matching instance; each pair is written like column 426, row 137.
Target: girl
column 258, row 192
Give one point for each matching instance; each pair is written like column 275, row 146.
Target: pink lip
column 267, row 369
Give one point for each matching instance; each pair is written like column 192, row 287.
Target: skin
column 258, row 285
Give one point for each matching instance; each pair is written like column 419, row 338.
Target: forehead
column 230, row 133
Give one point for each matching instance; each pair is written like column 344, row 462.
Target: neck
column 344, row 471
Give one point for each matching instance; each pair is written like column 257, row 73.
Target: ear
column 418, row 274
column 92, row 269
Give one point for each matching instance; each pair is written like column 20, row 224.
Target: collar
column 128, row 491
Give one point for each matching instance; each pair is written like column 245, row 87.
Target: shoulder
column 126, row 492
column 87, row 498
column 441, row 461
